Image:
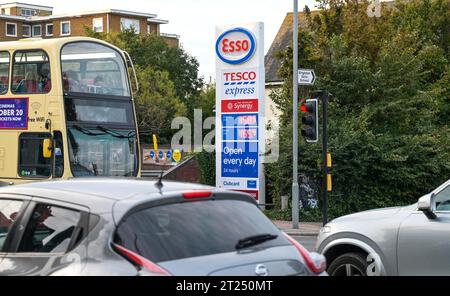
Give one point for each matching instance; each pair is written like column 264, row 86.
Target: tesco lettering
column 240, row 76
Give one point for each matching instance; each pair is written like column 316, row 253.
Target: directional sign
column 176, row 155
column 306, row 77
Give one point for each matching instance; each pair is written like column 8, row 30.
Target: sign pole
column 295, row 187
column 325, row 96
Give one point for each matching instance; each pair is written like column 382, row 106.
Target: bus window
column 4, row 72
column 32, row 164
column 31, row 72
column 89, row 67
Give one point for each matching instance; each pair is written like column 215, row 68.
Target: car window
column 442, row 200
column 9, row 210
column 192, row 229
column 49, row 230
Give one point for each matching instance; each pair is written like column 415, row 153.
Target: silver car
column 135, row 227
column 411, row 240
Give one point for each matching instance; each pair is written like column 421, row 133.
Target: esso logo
column 235, row 46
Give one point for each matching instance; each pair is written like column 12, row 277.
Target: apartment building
column 21, row 20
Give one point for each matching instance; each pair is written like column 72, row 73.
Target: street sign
column 240, row 108
column 161, row 155
column 176, row 155
column 306, row 77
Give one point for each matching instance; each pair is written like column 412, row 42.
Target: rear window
column 192, row 229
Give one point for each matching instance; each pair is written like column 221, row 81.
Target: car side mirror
column 47, row 148
column 425, row 205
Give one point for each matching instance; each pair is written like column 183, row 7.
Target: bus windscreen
column 94, row 68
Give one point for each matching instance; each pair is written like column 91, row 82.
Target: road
column 309, row 242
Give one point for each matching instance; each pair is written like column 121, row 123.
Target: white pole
column 295, row 189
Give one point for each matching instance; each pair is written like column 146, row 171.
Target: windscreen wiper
column 254, row 240
column 85, row 131
column 115, row 134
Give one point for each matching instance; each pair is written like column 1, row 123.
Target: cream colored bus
column 66, row 110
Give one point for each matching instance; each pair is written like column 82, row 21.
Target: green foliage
column 388, row 118
column 206, row 162
column 155, row 100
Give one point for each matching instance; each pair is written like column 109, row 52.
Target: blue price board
column 239, row 160
column 239, row 120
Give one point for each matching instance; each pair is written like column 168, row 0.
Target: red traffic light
column 303, row 108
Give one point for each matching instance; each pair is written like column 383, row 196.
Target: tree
column 388, row 118
column 157, row 103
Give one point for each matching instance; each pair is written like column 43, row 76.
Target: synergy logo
column 239, row 84
column 235, row 46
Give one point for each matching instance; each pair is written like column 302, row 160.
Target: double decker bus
column 66, row 110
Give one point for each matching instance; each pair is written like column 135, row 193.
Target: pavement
column 305, row 228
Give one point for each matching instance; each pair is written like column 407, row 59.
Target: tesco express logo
column 235, row 46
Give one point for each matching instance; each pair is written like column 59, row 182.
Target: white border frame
column 46, row 29
column 61, row 26
column 32, row 30
column 6, row 29
column 29, row 27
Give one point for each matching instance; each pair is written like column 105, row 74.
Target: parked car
column 411, row 240
column 135, row 227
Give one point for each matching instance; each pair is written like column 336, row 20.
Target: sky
column 194, row 20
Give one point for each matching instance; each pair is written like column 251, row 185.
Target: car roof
column 93, row 192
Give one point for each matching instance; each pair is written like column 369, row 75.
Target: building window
column 97, row 24
column 37, row 31
column 130, row 24
column 49, row 29
column 65, row 28
column 149, row 29
column 27, row 12
column 11, row 30
column 26, row 31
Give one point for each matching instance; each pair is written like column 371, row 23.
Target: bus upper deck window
column 89, row 67
column 31, row 72
column 4, row 72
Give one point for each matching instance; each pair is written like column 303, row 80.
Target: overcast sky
column 194, row 20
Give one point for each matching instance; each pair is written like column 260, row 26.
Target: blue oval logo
column 235, row 46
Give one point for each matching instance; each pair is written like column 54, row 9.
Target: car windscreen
column 192, row 229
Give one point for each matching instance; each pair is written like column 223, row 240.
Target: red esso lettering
column 235, row 46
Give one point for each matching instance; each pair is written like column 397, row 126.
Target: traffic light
column 310, row 120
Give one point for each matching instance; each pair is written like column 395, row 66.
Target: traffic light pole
column 295, row 187
column 325, row 95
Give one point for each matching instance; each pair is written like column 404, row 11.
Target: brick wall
column 3, row 36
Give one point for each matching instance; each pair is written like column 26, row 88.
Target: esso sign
column 235, row 46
